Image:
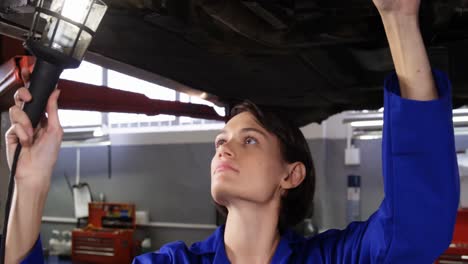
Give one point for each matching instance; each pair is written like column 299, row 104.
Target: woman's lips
column 225, row 167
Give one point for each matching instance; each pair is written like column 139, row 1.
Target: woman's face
column 247, row 165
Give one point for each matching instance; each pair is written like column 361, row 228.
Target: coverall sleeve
column 36, row 255
column 415, row 221
column 174, row 252
column 152, row 258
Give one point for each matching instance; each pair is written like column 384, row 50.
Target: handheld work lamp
column 69, row 28
column 59, row 37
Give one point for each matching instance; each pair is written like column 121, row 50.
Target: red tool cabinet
column 458, row 250
column 108, row 238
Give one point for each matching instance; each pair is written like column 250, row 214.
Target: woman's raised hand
column 40, row 146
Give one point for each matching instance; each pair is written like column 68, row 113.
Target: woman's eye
column 219, row 142
column 250, row 141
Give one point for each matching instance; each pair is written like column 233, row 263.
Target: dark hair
column 295, row 205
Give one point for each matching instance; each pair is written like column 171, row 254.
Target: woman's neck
column 251, row 234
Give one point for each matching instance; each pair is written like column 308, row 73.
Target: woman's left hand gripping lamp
column 59, row 37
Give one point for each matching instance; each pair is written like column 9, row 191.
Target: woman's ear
column 295, row 176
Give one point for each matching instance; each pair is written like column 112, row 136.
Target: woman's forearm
column 25, row 221
column 409, row 56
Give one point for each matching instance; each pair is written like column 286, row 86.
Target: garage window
column 94, row 74
column 87, row 73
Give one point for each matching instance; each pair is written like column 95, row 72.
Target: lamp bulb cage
column 69, row 25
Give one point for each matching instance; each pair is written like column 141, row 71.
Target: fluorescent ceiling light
column 460, row 111
column 369, row 137
column 460, row 119
column 367, row 123
column 379, row 123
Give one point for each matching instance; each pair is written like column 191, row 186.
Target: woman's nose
column 226, row 150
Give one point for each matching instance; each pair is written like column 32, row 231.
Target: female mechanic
column 262, row 175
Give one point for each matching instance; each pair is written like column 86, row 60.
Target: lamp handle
column 44, row 78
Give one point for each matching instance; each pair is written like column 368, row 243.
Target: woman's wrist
column 25, row 220
column 31, row 199
column 33, row 182
column 396, row 22
column 33, row 189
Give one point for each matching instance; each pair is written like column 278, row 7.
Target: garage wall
column 334, row 215
column 170, row 181
column 156, row 178
column 370, row 170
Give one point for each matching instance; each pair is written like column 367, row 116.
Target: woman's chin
column 219, row 192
